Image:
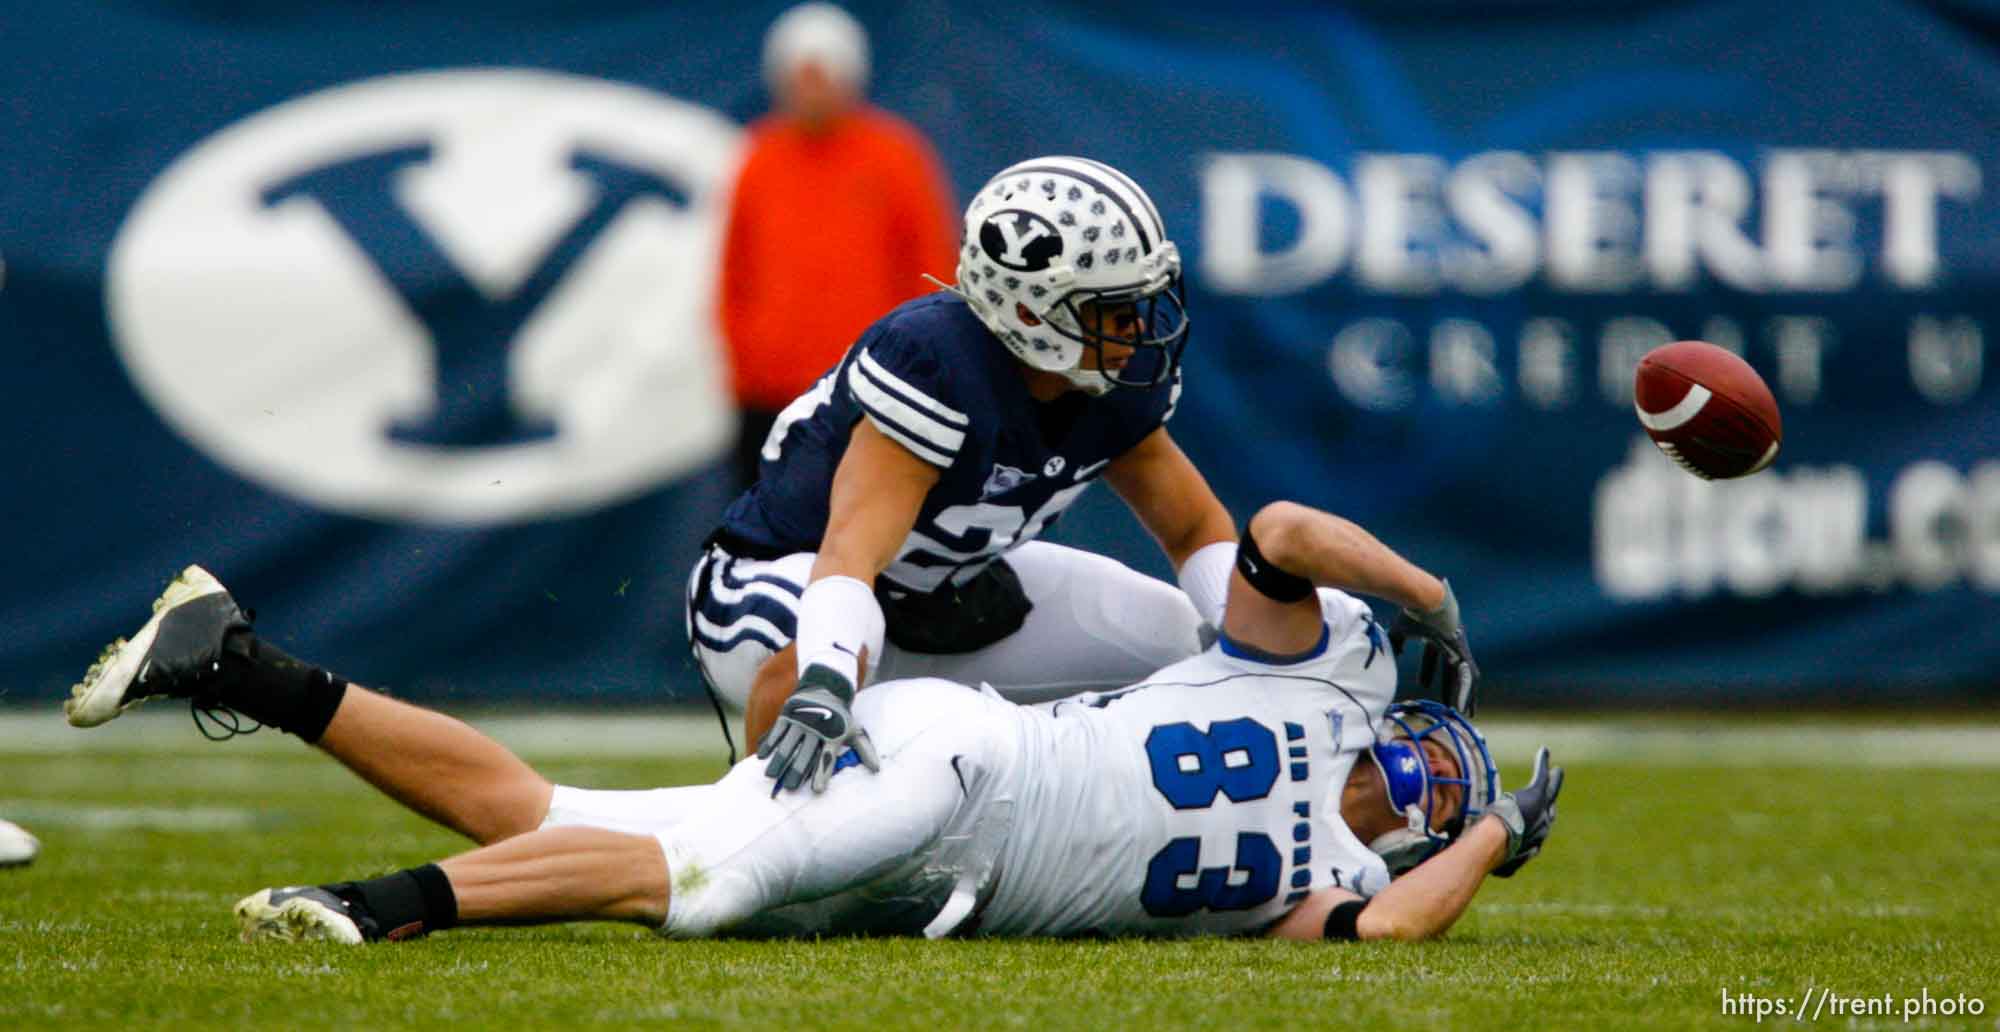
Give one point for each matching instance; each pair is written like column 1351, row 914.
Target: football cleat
column 298, row 914
column 178, row 652
column 17, row 847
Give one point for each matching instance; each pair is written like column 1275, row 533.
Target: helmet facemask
column 1411, row 788
column 1146, row 330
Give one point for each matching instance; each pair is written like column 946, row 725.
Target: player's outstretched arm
column 1175, row 504
column 1301, row 543
column 1337, row 553
column 1421, row 904
column 1427, row 900
column 1297, row 543
column 1431, row 897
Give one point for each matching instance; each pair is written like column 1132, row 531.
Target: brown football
column 1707, row 409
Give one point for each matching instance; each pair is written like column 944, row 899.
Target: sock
column 272, row 688
column 403, row 905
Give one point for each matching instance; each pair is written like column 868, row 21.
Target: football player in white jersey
column 1267, row 785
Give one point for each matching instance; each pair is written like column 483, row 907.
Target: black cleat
column 178, row 652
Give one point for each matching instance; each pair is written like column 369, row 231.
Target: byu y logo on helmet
column 1020, row 240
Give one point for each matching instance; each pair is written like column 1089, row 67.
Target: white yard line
column 100, row 817
column 1673, row 740
column 1742, row 742
column 165, row 727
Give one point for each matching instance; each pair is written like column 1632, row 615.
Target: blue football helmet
column 1411, row 786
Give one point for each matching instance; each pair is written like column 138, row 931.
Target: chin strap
column 1412, row 844
column 1403, row 849
column 1093, row 382
column 1089, row 381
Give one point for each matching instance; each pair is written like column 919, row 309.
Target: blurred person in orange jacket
column 838, row 212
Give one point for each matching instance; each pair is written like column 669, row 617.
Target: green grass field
column 1693, row 856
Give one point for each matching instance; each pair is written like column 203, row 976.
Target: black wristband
column 1344, row 920
column 1271, row 582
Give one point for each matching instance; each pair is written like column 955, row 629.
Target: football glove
column 814, row 727
column 1447, row 672
column 1529, row 813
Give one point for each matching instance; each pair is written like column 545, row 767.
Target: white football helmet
column 1051, row 234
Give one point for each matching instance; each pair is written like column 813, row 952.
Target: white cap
column 816, row 33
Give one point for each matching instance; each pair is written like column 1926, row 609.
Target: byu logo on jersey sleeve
column 464, row 296
column 1020, row 240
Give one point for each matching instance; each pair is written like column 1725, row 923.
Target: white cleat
column 171, row 655
column 17, row 847
column 298, row 914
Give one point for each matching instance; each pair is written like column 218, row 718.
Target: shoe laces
column 209, row 712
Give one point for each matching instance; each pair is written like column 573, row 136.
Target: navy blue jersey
column 932, row 378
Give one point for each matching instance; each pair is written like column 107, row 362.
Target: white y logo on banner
column 464, row 296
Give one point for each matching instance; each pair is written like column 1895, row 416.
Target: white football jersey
column 1203, row 801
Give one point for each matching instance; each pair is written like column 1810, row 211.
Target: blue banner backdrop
column 400, row 318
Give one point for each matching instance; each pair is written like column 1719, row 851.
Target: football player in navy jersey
column 901, row 497
column 951, row 435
